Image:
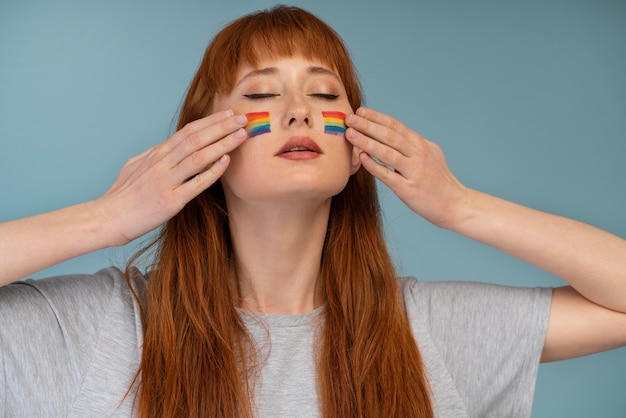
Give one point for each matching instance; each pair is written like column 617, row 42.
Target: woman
column 272, row 293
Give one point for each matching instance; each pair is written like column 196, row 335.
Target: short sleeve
column 490, row 338
column 50, row 333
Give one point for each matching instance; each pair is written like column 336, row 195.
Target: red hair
column 198, row 359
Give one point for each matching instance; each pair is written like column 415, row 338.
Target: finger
column 196, row 139
column 202, row 181
column 384, row 129
column 387, row 175
column 198, row 161
column 190, row 129
column 197, row 125
column 376, row 149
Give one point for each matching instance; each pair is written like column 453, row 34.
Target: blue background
column 527, row 99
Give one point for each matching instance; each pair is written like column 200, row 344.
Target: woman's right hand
column 150, row 189
column 155, row 185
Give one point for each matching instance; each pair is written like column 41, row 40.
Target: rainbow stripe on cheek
column 333, row 123
column 258, row 123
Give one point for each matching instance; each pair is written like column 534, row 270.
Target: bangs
column 277, row 37
column 279, row 32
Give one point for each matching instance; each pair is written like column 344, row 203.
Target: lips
column 299, row 144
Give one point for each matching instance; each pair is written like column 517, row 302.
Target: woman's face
column 296, row 159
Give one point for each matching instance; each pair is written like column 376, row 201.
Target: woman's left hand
column 410, row 165
column 590, row 319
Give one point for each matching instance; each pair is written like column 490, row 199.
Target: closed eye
column 325, row 96
column 260, row 96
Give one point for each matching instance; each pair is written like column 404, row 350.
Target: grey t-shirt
column 70, row 346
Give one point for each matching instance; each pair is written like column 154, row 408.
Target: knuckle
column 198, row 181
column 388, row 156
column 394, row 124
column 385, row 173
column 225, row 145
column 194, row 141
column 157, row 150
column 129, row 162
column 366, row 142
column 436, row 148
column 187, row 130
column 225, row 125
column 196, row 160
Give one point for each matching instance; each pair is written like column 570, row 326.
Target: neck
column 278, row 252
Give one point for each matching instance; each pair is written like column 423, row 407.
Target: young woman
column 272, row 292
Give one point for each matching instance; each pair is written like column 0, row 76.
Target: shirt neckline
column 282, row 320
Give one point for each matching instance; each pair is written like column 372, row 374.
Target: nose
column 298, row 112
column 295, row 120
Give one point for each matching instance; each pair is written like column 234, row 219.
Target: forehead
column 269, row 66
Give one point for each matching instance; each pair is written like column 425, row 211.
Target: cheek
column 237, row 165
column 244, row 167
column 219, row 103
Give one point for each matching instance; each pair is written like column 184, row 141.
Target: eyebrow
column 323, row 71
column 256, row 73
column 273, row 70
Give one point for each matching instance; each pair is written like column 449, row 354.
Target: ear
column 355, row 162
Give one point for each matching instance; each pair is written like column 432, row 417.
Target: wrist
column 460, row 211
column 104, row 225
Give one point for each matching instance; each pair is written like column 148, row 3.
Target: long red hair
column 198, row 360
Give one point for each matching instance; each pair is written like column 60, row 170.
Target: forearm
column 591, row 260
column 31, row 244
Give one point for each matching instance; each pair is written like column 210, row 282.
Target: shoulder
column 87, row 287
column 75, row 329
column 480, row 341
column 456, row 311
column 91, row 295
column 71, row 307
column 450, row 298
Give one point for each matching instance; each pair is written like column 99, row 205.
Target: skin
column 586, row 317
column 278, row 226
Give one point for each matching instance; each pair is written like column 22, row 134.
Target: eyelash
column 325, row 96
column 261, row 96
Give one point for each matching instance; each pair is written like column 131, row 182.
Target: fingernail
column 227, row 113
column 241, row 120
column 240, row 133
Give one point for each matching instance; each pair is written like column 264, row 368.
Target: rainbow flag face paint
column 333, row 123
column 258, row 123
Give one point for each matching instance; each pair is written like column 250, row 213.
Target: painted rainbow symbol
column 258, row 123
column 333, row 123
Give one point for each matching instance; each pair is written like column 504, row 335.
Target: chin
column 293, row 192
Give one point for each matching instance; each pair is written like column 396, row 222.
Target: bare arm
column 31, row 244
column 150, row 189
column 592, row 261
column 586, row 317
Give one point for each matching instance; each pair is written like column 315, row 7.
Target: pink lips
column 299, row 148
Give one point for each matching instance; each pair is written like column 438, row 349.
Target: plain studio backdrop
column 527, row 100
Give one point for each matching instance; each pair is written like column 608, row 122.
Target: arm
column 589, row 259
column 31, row 244
column 586, row 317
column 150, row 189
column 592, row 261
